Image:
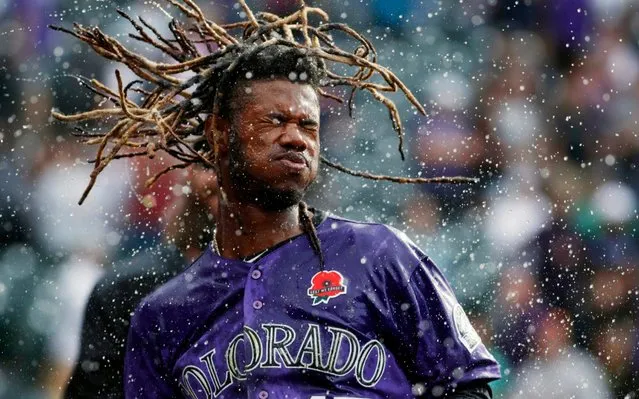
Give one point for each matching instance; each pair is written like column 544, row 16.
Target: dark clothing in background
column 98, row 370
column 477, row 391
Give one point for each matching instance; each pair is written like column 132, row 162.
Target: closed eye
column 309, row 124
column 276, row 119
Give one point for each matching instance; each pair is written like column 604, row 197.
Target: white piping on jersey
column 216, row 249
column 256, row 257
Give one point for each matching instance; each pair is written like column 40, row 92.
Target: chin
column 281, row 195
column 278, row 200
column 271, row 190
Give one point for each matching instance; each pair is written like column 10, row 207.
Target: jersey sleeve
column 439, row 348
column 145, row 374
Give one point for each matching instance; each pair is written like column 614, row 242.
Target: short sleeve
column 145, row 374
column 440, row 348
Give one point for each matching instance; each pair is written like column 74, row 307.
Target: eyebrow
column 305, row 119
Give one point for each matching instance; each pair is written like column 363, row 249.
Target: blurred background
column 537, row 98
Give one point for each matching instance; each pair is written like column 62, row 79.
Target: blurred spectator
column 614, row 348
column 80, row 236
column 559, row 370
column 517, row 314
column 187, row 230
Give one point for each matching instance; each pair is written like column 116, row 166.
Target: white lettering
column 210, row 365
column 312, row 346
column 380, row 363
column 275, row 346
column 336, row 346
column 200, row 378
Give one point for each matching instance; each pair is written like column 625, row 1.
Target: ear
column 217, row 129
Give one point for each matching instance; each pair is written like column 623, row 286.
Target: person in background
column 99, row 369
column 559, row 369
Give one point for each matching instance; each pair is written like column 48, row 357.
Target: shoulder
column 378, row 239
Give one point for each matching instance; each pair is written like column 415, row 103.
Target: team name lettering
column 344, row 355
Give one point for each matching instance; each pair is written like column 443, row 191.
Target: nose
column 293, row 138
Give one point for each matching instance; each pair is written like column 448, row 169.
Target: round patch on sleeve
column 467, row 334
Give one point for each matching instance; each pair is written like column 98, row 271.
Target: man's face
column 274, row 142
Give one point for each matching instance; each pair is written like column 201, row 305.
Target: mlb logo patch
column 465, row 331
column 326, row 285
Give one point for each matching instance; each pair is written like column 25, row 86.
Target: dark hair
column 217, row 92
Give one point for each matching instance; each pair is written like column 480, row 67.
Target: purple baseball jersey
column 378, row 321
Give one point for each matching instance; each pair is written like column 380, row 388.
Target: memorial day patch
column 326, row 285
column 467, row 334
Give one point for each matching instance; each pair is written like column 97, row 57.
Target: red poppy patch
column 326, row 285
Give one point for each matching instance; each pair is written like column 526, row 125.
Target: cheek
column 254, row 147
column 314, row 165
column 314, row 152
column 314, row 147
column 256, row 157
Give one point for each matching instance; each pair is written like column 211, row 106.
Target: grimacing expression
column 274, row 142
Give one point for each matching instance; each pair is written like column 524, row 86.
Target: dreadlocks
column 170, row 116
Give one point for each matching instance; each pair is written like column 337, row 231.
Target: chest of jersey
column 283, row 327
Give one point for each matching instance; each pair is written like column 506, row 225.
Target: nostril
column 294, row 141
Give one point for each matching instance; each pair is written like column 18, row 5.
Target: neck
column 258, row 229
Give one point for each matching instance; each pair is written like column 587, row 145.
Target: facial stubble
column 253, row 189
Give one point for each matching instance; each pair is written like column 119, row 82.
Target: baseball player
column 262, row 314
column 287, row 301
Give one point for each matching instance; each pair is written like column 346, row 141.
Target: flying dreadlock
column 169, row 117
